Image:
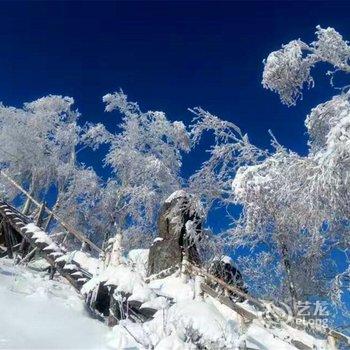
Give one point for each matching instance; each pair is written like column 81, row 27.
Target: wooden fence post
column 198, row 280
column 26, row 206
column 39, row 219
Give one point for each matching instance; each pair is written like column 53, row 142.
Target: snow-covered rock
column 174, row 287
column 124, row 279
column 176, row 195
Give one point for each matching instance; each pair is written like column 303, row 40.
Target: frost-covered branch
column 146, row 158
column 287, row 70
column 296, row 207
column 231, row 150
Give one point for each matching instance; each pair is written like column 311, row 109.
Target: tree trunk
column 286, row 262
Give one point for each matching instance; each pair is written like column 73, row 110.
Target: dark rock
column 163, row 255
column 225, row 271
column 173, row 240
column 147, row 312
column 99, row 300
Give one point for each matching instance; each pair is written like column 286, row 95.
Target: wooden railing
column 69, row 228
column 331, row 335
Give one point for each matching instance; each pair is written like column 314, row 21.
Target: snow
column 39, row 264
column 174, row 288
column 70, row 267
column 31, row 228
column 87, row 262
column 192, row 318
column 262, row 339
column 157, row 303
column 51, row 246
column 138, row 259
column 37, row 313
column 126, row 280
column 173, row 342
column 216, row 325
column 175, row 195
column 129, row 335
column 142, row 294
column 40, row 236
column 225, row 259
column 49, row 314
column 201, row 316
column 121, row 339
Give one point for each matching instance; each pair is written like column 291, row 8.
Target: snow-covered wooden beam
column 40, row 241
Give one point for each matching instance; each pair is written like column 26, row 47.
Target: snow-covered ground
column 36, row 313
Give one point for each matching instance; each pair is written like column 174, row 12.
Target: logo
column 277, row 313
column 308, row 314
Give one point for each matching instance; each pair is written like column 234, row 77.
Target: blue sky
column 167, row 56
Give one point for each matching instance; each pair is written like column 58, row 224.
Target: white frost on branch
column 146, row 158
column 231, row 149
column 287, row 70
column 296, row 208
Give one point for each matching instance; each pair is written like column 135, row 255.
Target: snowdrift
column 40, row 313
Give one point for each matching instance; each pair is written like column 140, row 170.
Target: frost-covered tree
column 278, row 215
column 212, row 183
column 297, row 207
column 39, row 144
column 287, row 70
column 145, row 156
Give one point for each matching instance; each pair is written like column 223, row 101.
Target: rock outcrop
column 179, row 227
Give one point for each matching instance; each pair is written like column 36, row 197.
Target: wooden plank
column 300, row 345
column 29, row 255
column 11, row 224
column 47, row 223
column 339, row 336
